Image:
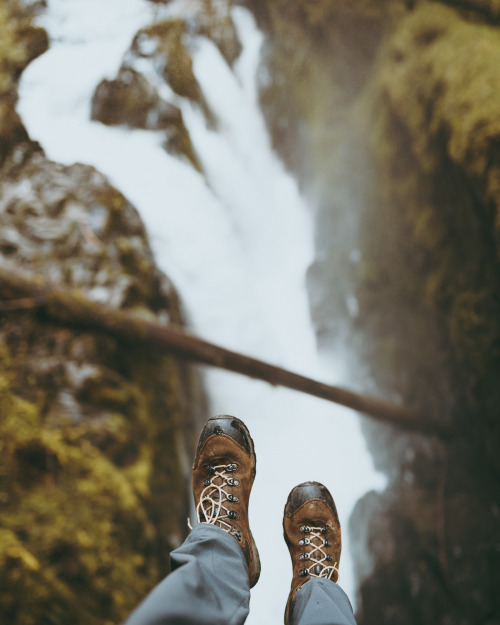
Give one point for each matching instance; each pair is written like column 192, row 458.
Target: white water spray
column 236, row 248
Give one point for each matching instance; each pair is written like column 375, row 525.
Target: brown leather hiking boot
column 223, row 474
column 311, row 528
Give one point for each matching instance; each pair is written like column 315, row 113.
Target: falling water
column 236, row 243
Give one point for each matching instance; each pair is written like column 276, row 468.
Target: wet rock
column 398, row 150
column 96, row 431
column 213, row 19
column 12, row 130
column 164, row 43
column 132, row 100
column 20, row 43
column 158, row 70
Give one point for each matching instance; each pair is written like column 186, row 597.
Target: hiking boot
column 312, row 532
column 223, row 474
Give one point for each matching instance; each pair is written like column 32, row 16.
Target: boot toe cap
column 307, row 491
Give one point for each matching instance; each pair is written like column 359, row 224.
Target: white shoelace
column 211, row 507
column 316, row 555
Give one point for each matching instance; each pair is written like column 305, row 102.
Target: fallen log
column 70, row 307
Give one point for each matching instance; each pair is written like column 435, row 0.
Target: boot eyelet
column 303, row 572
column 207, row 482
column 324, row 530
column 237, row 535
column 232, row 514
column 208, row 468
column 232, row 498
column 305, row 529
column 232, row 481
column 329, row 558
column 327, row 543
column 231, row 467
column 304, row 541
column 304, row 556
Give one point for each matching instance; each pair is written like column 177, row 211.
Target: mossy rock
column 164, row 41
column 489, row 8
column 94, row 430
column 214, row 21
column 132, row 100
column 76, row 543
column 20, row 43
column 398, row 150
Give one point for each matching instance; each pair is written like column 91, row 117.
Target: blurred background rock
column 96, row 435
column 389, row 116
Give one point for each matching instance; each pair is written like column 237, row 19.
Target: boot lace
column 212, row 506
column 316, row 556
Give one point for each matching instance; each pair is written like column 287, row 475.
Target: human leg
column 321, row 602
column 213, row 570
column 208, row 584
column 312, row 532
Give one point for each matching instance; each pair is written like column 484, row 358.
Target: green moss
column 75, row 541
column 411, row 179
column 441, row 80
column 436, row 126
column 490, row 8
column 77, row 538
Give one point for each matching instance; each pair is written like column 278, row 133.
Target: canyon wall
column 389, row 115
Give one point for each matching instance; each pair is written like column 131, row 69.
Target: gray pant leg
column 208, row 584
column 322, row 602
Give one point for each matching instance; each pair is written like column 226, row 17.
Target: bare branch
column 72, row 308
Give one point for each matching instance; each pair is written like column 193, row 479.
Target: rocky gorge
column 399, row 148
column 388, row 116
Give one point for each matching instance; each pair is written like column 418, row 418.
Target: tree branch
column 72, row 308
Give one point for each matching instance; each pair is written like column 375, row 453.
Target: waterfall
column 236, row 242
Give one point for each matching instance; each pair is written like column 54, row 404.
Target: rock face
column 159, row 61
column 130, row 99
column 212, row 19
column 20, row 43
column 95, row 435
column 398, row 146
